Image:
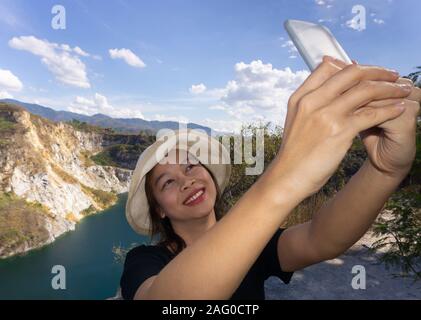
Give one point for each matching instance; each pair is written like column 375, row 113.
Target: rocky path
column 332, row 279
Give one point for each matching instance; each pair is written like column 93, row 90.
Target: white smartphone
column 313, row 41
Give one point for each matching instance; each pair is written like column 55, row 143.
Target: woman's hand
column 327, row 112
column 391, row 146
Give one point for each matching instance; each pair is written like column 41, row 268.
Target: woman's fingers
column 369, row 117
column 366, row 92
column 405, row 81
column 415, row 94
column 384, row 102
column 346, row 79
column 323, row 72
column 366, row 116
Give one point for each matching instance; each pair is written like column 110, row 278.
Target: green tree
column 415, row 76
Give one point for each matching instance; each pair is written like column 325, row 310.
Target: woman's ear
column 161, row 213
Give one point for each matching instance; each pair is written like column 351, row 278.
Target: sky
column 218, row 63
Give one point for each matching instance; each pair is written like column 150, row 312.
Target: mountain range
column 126, row 125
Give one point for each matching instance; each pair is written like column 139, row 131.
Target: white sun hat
column 208, row 150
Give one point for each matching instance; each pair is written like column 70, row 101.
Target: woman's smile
column 197, row 197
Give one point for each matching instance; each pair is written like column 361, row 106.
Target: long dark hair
column 162, row 227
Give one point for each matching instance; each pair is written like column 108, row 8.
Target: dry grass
column 64, row 175
column 88, row 211
column 103, row 199
column 306, row 209
column 6, row 125
column 85, row 157
column 71, row 217
column 9, row 107
column 21, row 222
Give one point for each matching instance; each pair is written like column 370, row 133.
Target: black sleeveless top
column 145, row 261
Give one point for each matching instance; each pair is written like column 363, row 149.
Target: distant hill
column 130, row 125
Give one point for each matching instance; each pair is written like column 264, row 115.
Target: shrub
column 400, row 232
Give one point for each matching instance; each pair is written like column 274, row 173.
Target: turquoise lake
column 86, row 254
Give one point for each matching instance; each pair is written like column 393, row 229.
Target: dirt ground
column 332, row 279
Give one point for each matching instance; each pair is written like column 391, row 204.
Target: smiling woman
column 179, row 202
column 201, row 257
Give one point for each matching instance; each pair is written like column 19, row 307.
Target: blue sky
column 218, row 63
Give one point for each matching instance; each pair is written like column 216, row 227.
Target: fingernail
column 406, row 87
column 394, row 72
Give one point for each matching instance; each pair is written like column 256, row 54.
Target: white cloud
column 290, row 45
column 56, row 103
column 259, row 92
column 37, row 90
column 378, row 21
column 292, row 50
column 222, row 125
column 324, row 3
column 80, row 52
column 99, row 104
column 8, row 81
column 76, row 50
column 127, row 113
column 5, row 95
column 163, row 117
column 128, row 56
column 85, row 102
column 198, row 88
column 65, row 66
column 66, row 47
column 217, row 107
column 325, row 20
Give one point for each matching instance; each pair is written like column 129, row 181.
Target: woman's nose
column 188, row 182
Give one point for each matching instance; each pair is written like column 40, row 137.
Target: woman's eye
column 167, row 183
column 190, row 166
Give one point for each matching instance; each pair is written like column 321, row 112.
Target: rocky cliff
column 48, row 181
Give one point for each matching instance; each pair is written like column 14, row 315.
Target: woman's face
column 184, row 190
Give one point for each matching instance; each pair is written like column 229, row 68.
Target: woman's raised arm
column 320, row 134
